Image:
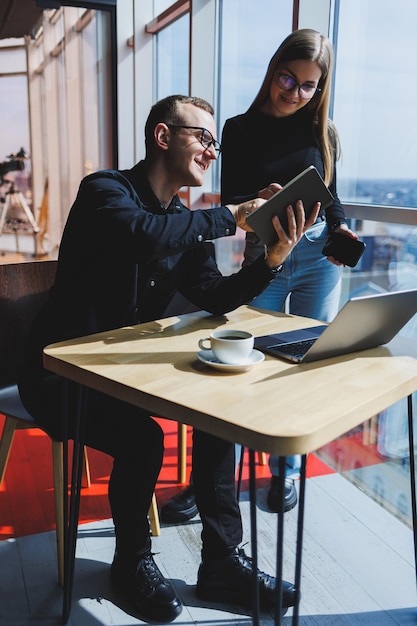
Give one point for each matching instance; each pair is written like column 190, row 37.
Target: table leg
column 71, row 512
column 254, row 537
column 299, row 548
column 280, row 538
column 412, row 475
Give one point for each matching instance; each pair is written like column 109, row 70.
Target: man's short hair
column 166, row 111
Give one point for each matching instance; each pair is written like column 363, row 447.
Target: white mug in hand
column 228, row 345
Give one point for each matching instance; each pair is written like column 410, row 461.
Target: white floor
column 358, row 567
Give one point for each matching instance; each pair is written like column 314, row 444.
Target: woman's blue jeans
column 309, row 285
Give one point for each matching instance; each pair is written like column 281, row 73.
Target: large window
column 250, row 32
column 243, row 62
column 13, row 114
column 375, row 95
column 89, row 94
column 374, row 112
column 71, row 107
column 173, row 62
column 15, row 175
column 63, row 146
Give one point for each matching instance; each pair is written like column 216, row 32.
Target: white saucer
column 207, row 357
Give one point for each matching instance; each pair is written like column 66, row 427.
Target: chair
column 23, row 290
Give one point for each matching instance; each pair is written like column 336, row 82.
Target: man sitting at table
column 128, row 246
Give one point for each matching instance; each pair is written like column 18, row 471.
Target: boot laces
column 247, row 561
column 151, row 571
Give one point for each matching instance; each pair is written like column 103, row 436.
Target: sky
column 376, row 88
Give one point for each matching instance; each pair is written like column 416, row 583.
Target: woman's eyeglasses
column 287, row 83
column 205, row 137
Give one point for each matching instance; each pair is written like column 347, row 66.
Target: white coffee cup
column 228, row 345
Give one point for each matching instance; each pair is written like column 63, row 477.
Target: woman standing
column 285, row 130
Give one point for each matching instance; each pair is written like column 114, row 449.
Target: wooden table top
column 276, row 407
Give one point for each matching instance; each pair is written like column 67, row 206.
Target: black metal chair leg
column 72, row 512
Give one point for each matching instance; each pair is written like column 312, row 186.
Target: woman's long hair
column 309, row 45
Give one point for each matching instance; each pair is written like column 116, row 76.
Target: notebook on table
column 364, row 322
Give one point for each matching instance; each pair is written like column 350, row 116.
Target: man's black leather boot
column 229, row 579
column 144, row 586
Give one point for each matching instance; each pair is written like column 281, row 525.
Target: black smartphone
column 344, row 249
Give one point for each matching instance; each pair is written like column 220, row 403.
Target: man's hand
column 241, row 211
column 297, row 225
column 269, row 191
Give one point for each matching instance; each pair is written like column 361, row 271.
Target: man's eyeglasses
column 287, row 83
column 205, row 138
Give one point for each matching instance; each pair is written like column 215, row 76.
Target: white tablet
column 307, row 186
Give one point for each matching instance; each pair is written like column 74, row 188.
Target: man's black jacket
column 123, row 257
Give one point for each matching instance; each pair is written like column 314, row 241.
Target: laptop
column 363, row 322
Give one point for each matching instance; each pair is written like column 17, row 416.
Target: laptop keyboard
column 296, row 348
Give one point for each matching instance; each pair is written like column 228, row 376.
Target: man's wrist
column 275, row 269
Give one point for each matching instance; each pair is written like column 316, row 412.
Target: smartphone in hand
column 344, row 249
